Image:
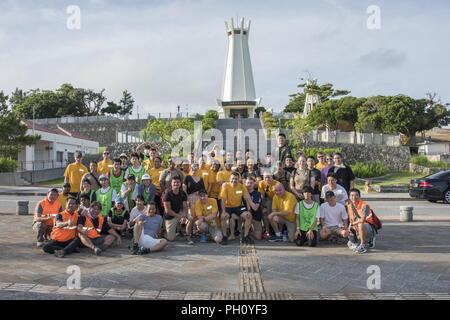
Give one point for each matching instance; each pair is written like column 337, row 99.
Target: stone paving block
column 439, row 296
column 415, row 296
column 119, row 293
column 93, row 292
column 66, row 291
column 172, row 295
column 387, row 296
column 198, row 296
column 334, row 296
column 306, row 296
column 44, row 289
column 23, row 287
column 4, row 285
column 145, row 294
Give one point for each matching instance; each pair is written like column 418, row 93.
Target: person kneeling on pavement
column 146, row 231
column 207, row 214
column 44, row 214
column 307, row 213
column 333, row 218
column 94, row 231
column 359, row 212
column 64, row 234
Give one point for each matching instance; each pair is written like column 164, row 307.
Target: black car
column 433, row 188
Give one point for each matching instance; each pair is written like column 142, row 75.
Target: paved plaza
column 413, row 259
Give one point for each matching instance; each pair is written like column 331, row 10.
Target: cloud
column 383, row 59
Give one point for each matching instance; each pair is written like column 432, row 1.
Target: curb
column 23, row 194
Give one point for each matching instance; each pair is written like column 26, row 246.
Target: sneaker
column 276, row 238
column 39, row 244
column 141, row 251
column 351, row 245
column 361, row 249
column 285, row 238
column 97, row 251
column 249, row 240
column 203, row 238
column 224, row 241
column 189, row 240
column 60, row 253
column 372, row 243
column 134, row 249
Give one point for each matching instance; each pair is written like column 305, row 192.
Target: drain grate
column 250, row 280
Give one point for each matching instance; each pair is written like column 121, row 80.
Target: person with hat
column 147, row 189
column 168, row 174
column 307, row 212
column 94, row 232
column 207, row 217
column 106, row 195
column 74, row 174
column 64, row 234
column 186, row 167
column 106, row 164
column 129, row 192
column 92, row 176
column 338, row 190
column 124, row 158
column 118, row 216
column 64, row 194
column 333, row 218
column 44, row 214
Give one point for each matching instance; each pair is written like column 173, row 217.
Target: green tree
column 259, row 110
column 162, row 130
column 126, row 103
column 209, row 119
column 324, row 91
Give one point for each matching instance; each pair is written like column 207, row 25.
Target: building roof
column 58, row 130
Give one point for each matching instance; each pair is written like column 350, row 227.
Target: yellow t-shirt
column 223, row 176
column 155, row 174
column 204, row 210
column 74, row 172
column 262, row 186
column 62, row 200
column 319, row 166
column 215, row 186
column 286, row 203
column 104, row 166
column 233, row 195
column 148, row 165
column 206, row 174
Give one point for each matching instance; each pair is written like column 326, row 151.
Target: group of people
column 218, row 196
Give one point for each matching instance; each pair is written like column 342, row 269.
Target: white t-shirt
column 135, row 213
column 307, row 206
column 333, row 216
column 339, row 192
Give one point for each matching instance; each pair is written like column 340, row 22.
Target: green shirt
column 307, row 218
column 105, row 199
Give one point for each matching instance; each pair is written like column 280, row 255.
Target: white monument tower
column 311, row 100
column 238, row 92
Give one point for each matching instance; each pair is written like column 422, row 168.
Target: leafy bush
column 369, row 170
column 8, row 165
column 313, row 151
column 424, row 162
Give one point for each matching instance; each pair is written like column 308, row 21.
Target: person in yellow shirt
column 215, row 185
column 205, row 173
column 283, row 213
column 104, row 166
column 62, row 196
column 155, row 174
column 225, row 174
column 267, row 189
column 233, row 195
column 74, row 174
column 207, row 218
column 149, row 160
column 321, row 163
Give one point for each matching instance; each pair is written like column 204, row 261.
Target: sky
column 172, row 52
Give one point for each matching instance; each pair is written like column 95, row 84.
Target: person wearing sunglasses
column 324, row 171
column 104, row 166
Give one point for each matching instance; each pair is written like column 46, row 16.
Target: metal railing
column 40, row 165
column 109, row 118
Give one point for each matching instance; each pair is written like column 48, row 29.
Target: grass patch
column 101, row 150
column 54, row 183
column 394, row 179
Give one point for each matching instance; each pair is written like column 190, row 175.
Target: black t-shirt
column 176, row 201
column 118, row 218
column 254, row 174
column 256, row 198
column 290, row 170
column 318, row 177
column 344, row 176
column 105, row 227
column 193, row 186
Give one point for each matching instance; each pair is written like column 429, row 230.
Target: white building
column 238, row 92
column 55, row 148
column 434, row 148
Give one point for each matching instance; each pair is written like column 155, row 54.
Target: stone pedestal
column 22, row 208
column 406, row 214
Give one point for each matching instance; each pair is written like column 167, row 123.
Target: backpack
column 373, row 219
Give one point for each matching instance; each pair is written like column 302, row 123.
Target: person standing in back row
column 344, row 173
column 74, row 174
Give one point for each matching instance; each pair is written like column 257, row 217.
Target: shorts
column 148, row 242
column 235, row 210
column 335, row 231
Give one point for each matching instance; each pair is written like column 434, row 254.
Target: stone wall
column 396, row 158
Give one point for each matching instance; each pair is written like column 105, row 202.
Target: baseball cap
column 202, row 193
column 329, row 194
column 146, row 177
column 123, row 155
column 120, row 200
column 131, row 177
column 103, row 177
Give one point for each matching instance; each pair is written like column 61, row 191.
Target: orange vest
column 47, row 209
column 66, row 233
column 94, row 233
column 359, row 208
